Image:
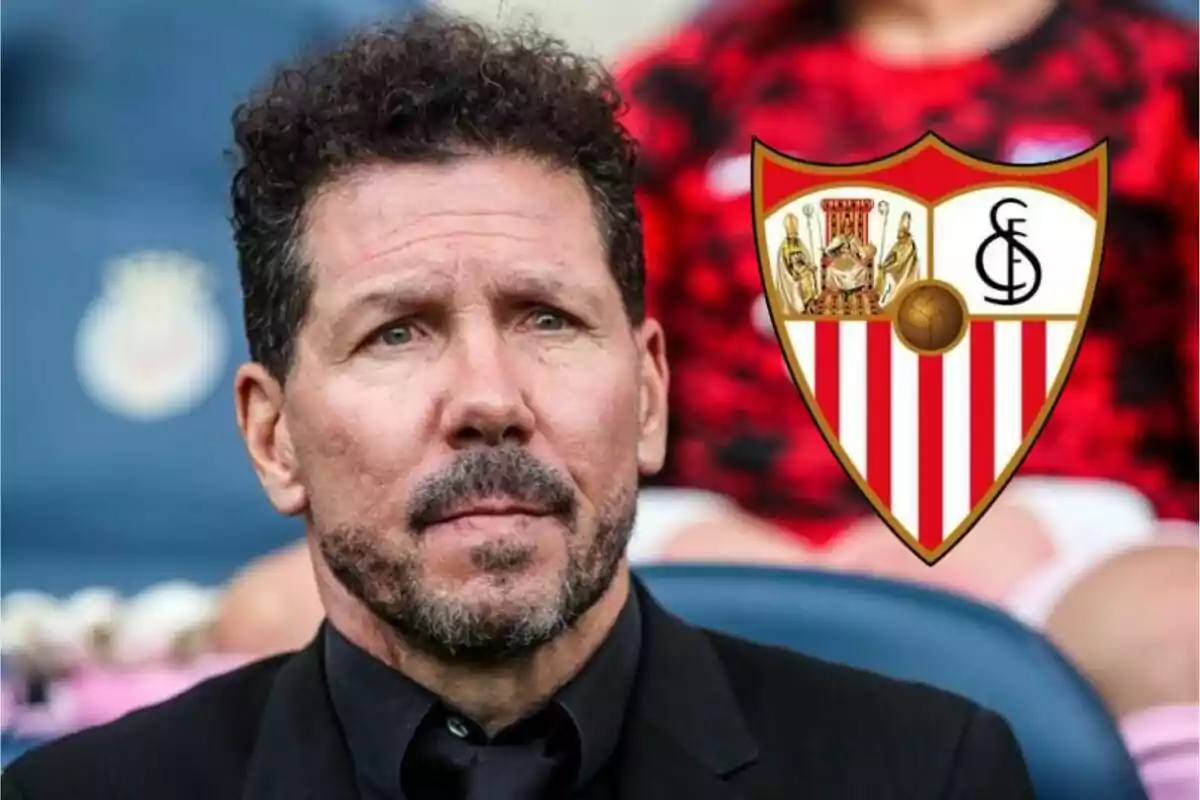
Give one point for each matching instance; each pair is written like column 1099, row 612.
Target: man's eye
column 396, row 335
column 546, row 320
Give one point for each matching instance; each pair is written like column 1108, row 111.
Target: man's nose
column 487, row 403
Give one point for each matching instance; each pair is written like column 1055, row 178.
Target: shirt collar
column 380, row 709
column 596, row 698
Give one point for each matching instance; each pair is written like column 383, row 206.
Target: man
column 455, row 385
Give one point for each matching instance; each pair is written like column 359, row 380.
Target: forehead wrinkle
column 545, row 274
column 428, row 277
column 356, row 204
column 370, row 257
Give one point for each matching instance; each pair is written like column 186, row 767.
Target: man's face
column 469, row 409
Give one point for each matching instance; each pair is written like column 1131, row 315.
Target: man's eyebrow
column 385, row 300
column 430, row 287
column 392, row 297
column 542, row 284
column 555, row 286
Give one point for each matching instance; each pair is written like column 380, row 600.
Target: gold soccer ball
column 930, row 317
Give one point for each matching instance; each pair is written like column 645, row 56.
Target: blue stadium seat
column 116, row 128
column 1073, row 748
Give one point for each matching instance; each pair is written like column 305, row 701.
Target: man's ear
column 655, row 380
column 258, row 398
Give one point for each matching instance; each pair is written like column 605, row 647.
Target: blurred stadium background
column 122, row 471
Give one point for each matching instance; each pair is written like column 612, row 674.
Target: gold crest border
column 761, row 153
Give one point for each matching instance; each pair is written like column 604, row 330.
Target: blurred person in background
column 454, row 385
column 1017, row 81
column 750, row 478
column 1150, row 676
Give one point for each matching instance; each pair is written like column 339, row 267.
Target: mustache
column 507, row 472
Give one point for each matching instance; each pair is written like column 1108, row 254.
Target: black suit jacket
column 712, row 717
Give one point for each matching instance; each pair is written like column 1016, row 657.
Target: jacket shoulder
column 775, row 685
column 820, row 723
column 196, row 739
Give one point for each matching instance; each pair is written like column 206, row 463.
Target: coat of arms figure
column 930, row 305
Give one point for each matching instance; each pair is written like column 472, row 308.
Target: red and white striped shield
column 930, row 306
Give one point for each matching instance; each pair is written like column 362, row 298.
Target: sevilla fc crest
column 930, row 306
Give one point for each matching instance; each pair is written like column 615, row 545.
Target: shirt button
column 457, row 727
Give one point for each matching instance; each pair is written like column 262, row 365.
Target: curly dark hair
column 427, row 90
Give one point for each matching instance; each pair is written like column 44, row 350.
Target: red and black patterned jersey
column 785, row 71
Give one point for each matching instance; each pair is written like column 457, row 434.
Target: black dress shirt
column 406, row 744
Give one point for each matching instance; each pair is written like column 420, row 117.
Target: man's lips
column 492, row 508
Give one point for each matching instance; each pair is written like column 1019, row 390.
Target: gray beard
column 437, row 623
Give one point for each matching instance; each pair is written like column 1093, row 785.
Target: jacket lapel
column 685, row 734
column 300, row 751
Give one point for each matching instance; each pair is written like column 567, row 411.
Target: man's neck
column 917, row 31
column 494, row 697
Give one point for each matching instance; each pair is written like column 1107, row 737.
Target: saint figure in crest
column 795, row 272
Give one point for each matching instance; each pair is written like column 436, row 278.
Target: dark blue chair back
column 1073, row 748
